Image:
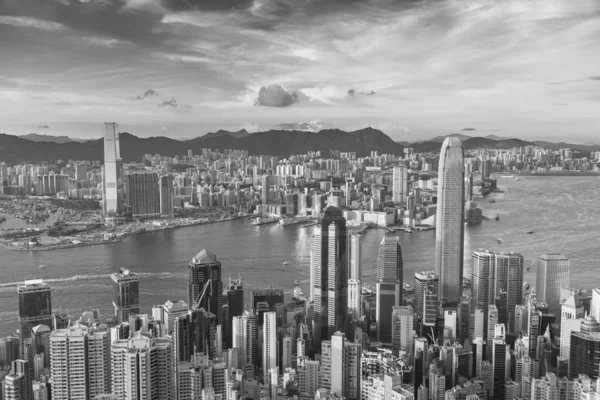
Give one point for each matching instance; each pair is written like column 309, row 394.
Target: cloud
column 40, row 126
column 174, row 104
column 276, row 96
column 27, row 22
column 594, row 78
column 148, row 93
column 467, row 129
column 313, row 126
column 107, row 41
column 353, row 92
column 206, row 5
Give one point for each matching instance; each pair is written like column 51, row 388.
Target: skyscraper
column 585, row 350
column 269, row 348
column 204, row 272
column 355, row 252
column 552, row 275
column 126, row 294
column 450, row 229
column 235, row 301
column 389, row 285
column 399, row 184
column 341, row 366
column 143, row 194
column 482, row 284
column 17, row 384
column 35, row 306
column 423, row 281
column 508, row 278
column 329, row 275
column 402, row 330
column 110, row 182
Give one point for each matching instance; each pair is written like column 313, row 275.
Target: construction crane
column 196, row 305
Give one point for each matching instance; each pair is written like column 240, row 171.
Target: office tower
column 450, row 325
column 9, row 350
column 170, row 311
column 166, row 193
column 126, row 294
column 308, row 376
column 355, row 299
column 534, row 324
column 482, row 289
column 430, row 311
column 450, row 229
column 464, row 319
column 486, row 169
column 552, row 275
column 389, row 285
column 572, row 315
column 40, row 350
column 143, row 194
column 355, row 252
column 402, row 329
column 269, row 348
column 35, row 306
column 330, row 277
column 341, row 366
column 110, row 182
column 492, row 320
column 204, row 278
column 508, row 279
column 17, row 384
column 477, row 346
column 585, row 350
column 270, row 296
column 499, row 351
column 235, row 303
column 142, row 368
column 79, row 362
column 437, row 380
column 195, row 332
column 286, row 353
column 423, row 280
column 399, row 184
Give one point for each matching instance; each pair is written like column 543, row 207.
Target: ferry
column 408, row 230
column 508, row 176
column 530, row 233
column 298, row 294
column 497, row 217
column 42, row 266
column 263, row 221
column 290, row 221
column 499, row 240
column 286, row 263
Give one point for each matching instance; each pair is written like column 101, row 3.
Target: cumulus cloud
column 27, row 22
column 276, row 96
column 148, row 93
column 173, row 103
column 41, row 126
column 353, row 92
column 467, row 129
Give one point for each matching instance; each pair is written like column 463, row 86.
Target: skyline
column 187, row 68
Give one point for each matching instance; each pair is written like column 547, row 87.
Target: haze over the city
column 414, row 69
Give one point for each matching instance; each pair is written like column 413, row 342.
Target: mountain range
column 282, row 143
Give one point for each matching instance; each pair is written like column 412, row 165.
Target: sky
column 411, row 68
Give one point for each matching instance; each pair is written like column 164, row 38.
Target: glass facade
column 450, row 229
column 35, row 304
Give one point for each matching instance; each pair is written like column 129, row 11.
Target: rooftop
column 204, row 257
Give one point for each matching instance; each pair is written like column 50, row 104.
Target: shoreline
column 6, row 245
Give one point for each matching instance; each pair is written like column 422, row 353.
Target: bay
column 564, row 213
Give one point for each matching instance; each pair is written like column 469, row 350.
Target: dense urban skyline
column 178, row 68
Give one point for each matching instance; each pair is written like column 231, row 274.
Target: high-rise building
column 341, row 366
column 389, row 285
column 110, row 183
column 143, row 194
column 204, row 279
column 585, row 353
column 492, row 321
column 329, row 275
column 508, row 278
column 499, row 350
column 126, row 294
column 399, row 184
column 402, row 330
column 572, row 315
column 482, row 282
column 166, row 192
column 142, row 368
column 80, row 362
column 423, row 281
column 235, row 303
column 195, row 332
column 552, row 275
column 355, row 298
column 35, row 306
column 269, row 347
column 355, row 252
column 450, row 229
column 17, row 384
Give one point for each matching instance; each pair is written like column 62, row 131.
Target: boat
column 298, row 294
column 390, row 230
column 508, row 176
column 291, row 221
column 408, row 230
column 530, row 233
column 516, row 179
column 499, row 240
column 286, row 263
column 263, row 221
column 497, row 217
column 492, row 201
column 42, row 266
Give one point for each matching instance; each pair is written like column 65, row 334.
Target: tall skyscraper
column 80, row 362
column 389, row 285
column 35, row 306
column 499, row 350
column 110, row 182
column 402, row 330
column 552, row 275
column 341, row 366
column 126, row 294
column 204, row 272
column 399, row 184
column 482, row 282
column 355, row 252
column 166, row 192
column 269, row 348
column 508, row 278
column 585, row 350
column 355, row 298
column 329, row 275
column 235, row 302
column 423, row 281
column 142, row 368
column 450, row 229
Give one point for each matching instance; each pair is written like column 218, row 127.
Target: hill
column 34, row 137
column 281, row 143
column 563, row 145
